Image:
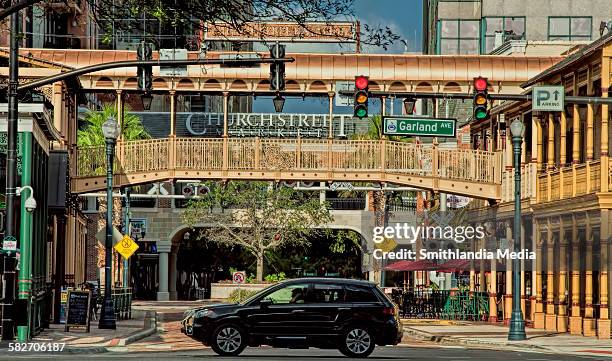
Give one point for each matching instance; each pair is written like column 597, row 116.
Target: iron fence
column 450, row 305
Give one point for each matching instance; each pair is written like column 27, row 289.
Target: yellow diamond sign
column 126, row 247
column 387, row 245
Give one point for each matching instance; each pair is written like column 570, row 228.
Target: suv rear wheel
column 228, row 340
column 357, row 342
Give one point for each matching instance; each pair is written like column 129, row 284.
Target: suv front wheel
column 228, row 340
column 357, row 341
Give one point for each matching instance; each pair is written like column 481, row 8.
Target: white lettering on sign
column 418, row 127
column 263, row 124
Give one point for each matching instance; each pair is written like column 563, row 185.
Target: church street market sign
column 274, row 125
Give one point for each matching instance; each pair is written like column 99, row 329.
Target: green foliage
column 91, row 134
column 275, row 277
column 239, row 294
column 257, row 217
column 343, row 239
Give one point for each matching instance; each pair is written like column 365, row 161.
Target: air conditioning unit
column 188, row 190
column 202, row 190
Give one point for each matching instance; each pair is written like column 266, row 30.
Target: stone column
column 534, row 242
column 551, row 142
column 493, row 292
column 322, row 192
column 576, row 135
column 540, row 139
column 508, row 295
column 551, row 317
column 589, row 135
column 563, row 146
column 538, row 320
column 163, row 248
column 562, row 312
column 172, row 113
column 588, row 323
column 575, row 318
column 522, row 263
column 603, row 323
column 172, row 274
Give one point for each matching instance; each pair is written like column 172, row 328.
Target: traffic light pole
column 492, row 96
column 8, row 302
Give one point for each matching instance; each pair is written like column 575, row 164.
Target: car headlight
column 202, row 313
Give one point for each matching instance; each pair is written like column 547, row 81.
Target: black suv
column 350, row 315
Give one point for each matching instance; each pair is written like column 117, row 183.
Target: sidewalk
column 468, row 333
column 77, row 340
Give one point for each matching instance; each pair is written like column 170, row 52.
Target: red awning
column 404, row 265
column 457, row 265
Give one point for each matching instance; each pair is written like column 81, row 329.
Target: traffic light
column 277, row 69
column 145, row 72
column 481, row 98
column 361, row 96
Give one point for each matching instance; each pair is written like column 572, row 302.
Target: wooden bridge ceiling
column 314, row 72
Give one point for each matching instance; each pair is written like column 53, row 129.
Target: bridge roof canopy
column 330, row 67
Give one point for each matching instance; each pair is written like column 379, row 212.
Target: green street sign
column 419, row 126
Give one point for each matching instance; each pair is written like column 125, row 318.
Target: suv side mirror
column 265, row 302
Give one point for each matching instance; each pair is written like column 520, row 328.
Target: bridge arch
column 239, row 84
column 104, row 82
column 160, row 83
column 169, row 250
column 212, row 84
column 185, row 84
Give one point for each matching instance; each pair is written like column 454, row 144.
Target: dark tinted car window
column 325, row 293
column 289, row 294
column 360, row 294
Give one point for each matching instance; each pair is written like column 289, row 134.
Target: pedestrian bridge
column 467, row 172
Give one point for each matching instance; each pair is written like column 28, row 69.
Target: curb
column 149, row 328
column 452, row 340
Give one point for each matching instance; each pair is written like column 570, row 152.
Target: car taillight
column 389, row 311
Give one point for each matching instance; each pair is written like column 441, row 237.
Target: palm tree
column 91, row 134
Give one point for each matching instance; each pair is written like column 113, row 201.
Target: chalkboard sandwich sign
column 77, row 309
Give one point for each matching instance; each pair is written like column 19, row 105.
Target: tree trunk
column 260, row 264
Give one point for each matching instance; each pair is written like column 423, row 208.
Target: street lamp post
column 517, row 324
column 110, row 129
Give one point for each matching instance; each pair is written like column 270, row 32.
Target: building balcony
column 572, row 181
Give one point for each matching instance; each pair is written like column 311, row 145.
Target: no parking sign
column 239, row 277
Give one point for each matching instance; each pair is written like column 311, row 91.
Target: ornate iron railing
column 452, row 305
column 382, row 159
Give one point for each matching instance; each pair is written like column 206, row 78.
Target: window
column 507, row 24
column 458, row 36
column 323, row 293
column 360, row 294
column 290, row 294
column 570, row 27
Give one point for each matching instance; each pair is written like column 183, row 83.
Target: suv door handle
column 344, row 308
column 297, row 311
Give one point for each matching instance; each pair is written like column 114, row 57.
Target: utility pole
column 8, row 322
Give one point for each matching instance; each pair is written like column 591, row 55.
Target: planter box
column 223, row 290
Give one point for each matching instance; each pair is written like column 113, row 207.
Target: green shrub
column 240, row 294
column 275, row 277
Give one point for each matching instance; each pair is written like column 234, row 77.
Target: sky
column 404, row 17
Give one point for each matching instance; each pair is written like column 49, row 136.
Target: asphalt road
column 270, row 354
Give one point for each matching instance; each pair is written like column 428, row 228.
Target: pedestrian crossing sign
column 126, row 246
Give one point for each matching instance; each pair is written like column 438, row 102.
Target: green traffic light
column 480, row 113
column 361, row 112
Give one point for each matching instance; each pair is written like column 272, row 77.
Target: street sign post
column 548, row 98
column 126, row 247
column 420, row 126
column 344, row 100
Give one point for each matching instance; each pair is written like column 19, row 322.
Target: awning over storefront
column 404, row 265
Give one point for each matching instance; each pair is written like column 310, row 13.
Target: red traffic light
column 480, row 84
column 361, row 82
